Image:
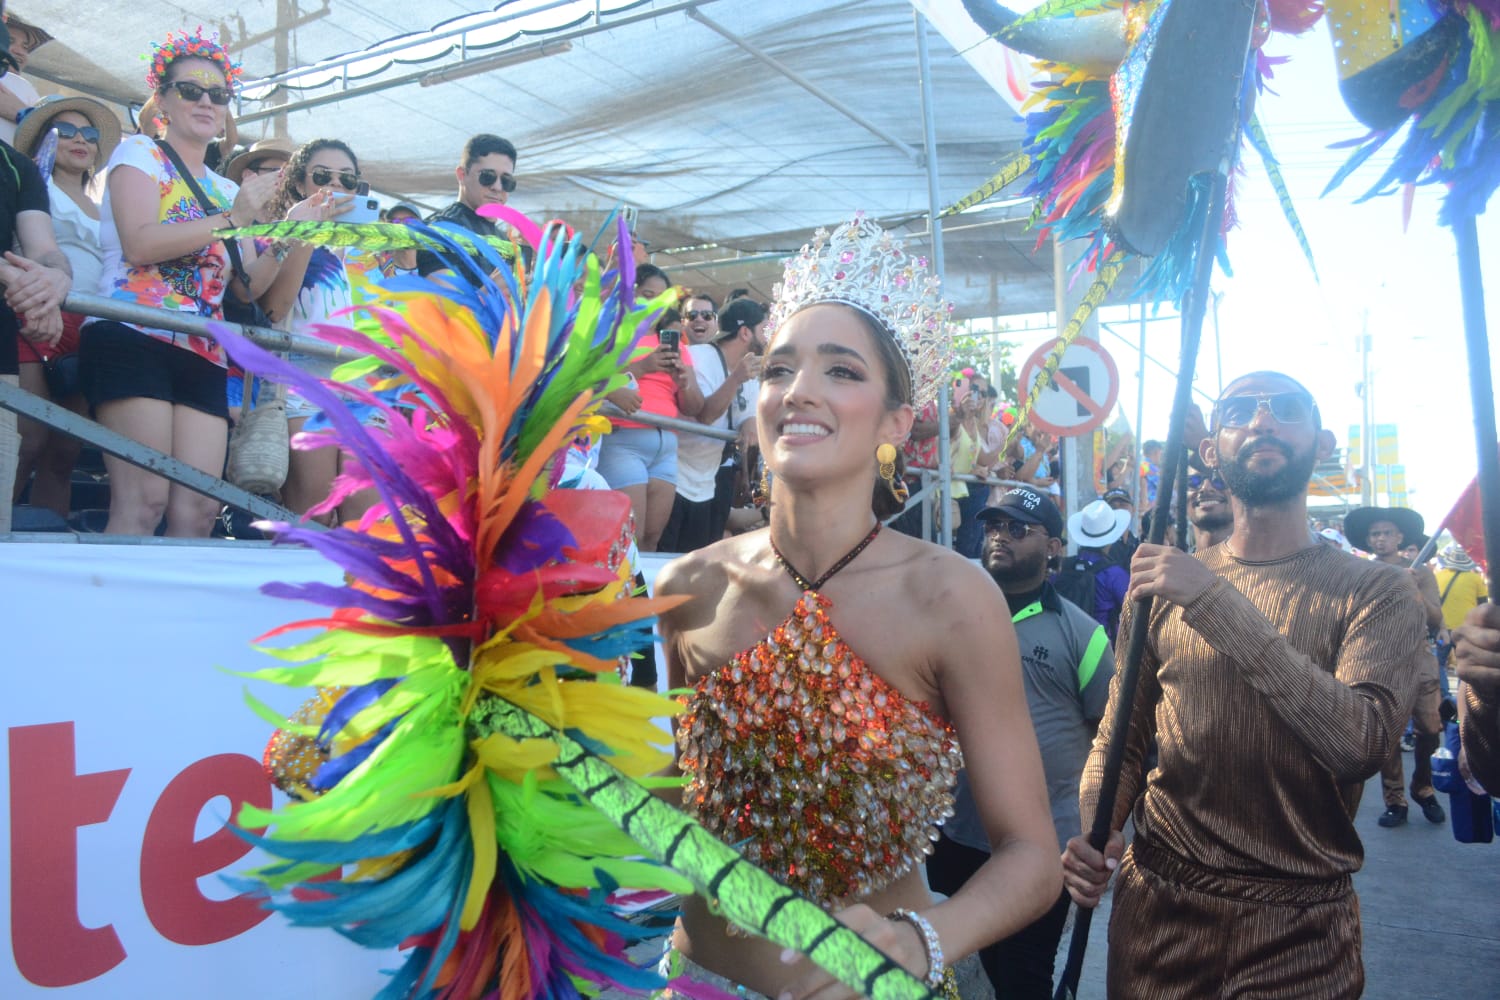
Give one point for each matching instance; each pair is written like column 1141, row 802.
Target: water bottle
column 1470, row 812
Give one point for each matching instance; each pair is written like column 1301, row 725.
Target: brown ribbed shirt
column 1478, row 735
column 1273, row 696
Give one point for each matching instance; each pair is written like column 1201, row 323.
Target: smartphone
column 671, row 339
column 364, row 209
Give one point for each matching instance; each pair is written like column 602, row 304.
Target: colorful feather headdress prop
column 1093, row 55
column 471, row 778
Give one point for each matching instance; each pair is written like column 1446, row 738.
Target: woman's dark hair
column 294, row 174
column 645, row 271
column 897, row 394
column 483, row 144
column 740, row 312
column 669, row 318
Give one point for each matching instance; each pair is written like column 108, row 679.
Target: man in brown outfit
column 1276, row 677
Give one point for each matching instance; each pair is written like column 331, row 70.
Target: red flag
column 1466, row 524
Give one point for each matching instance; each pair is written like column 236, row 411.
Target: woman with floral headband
column 826, row 766
column 161, row 388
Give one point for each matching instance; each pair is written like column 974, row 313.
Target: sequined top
column 821, row 772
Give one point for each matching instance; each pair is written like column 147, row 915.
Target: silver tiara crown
column 861, row 265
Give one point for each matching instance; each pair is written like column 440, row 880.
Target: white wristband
column 930, row 944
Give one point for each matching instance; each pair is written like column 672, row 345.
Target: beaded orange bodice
column 817, row 769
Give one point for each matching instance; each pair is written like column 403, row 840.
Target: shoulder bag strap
column 231, row 247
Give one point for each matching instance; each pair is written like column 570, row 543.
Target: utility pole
column 1367, row 416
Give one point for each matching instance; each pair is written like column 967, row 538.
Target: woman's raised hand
column 255, row 194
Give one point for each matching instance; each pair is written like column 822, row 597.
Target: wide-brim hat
column 1452, row 556
column 1357, row 525
column 34, row 126
column 1097, row 525
column 272, row 148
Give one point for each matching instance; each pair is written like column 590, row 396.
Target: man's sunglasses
column 1197, row 482
column 1015, row 529
column 192, row 93
column 487, row 178
column 323, row 176
column 67, row 130
column 699, row 314
column 1285, row 408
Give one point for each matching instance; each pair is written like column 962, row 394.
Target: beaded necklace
column 848, row 558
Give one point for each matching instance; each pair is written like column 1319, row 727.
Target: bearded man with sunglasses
column 1066, row 665
column 486, row 177
column 1277, row 675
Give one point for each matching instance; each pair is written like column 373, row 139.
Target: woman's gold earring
column 761, row 494
column 885, row 455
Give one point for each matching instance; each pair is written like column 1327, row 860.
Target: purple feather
column 395, row 487
column 533, row 538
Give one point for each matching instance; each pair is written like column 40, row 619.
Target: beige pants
column 10, row 456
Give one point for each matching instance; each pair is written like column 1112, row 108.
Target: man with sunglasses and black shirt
column 1066, row 665
column 1276, row 678
column 486, row 177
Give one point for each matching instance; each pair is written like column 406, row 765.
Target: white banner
column 127, row 742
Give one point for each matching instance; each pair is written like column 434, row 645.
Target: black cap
column 1022, row 503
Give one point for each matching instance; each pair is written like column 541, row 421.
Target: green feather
column 733, row 887
column 1057, row 9
column 1278, row 184
column 374, row 237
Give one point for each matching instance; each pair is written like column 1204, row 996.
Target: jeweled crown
column 861, row 265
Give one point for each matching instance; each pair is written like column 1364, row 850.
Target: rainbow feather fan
column 470, row 780
column 1078, row 116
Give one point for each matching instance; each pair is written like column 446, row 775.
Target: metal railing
column 118, row 445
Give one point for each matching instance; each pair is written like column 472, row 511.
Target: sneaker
column 1393, row 816
column 1432, row 809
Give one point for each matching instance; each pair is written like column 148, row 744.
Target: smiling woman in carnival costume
column 471, row 780
column 829, row 767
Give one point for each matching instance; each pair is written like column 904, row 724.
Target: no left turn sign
column 1082, row 391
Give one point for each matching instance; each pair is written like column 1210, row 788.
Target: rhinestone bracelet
column 930, row 944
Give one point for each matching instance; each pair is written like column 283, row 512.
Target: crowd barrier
column 112, row 443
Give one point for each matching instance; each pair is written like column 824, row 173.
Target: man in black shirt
column 487, row 177
column 36, row 281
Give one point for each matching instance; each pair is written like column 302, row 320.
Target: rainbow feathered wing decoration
column 471, row 778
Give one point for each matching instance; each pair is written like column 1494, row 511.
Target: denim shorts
column 629, row 456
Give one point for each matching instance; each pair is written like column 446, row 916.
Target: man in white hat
column 1277, row 675
column 1093, row 579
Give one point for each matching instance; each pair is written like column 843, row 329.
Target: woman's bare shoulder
column 706, row 576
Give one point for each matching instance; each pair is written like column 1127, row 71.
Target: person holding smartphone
column 637, row 459
column 319, row 183
column 487, row 176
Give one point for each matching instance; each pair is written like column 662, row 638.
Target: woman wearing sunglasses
column 86, row 133
column 162, row 208
column 311, row 287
